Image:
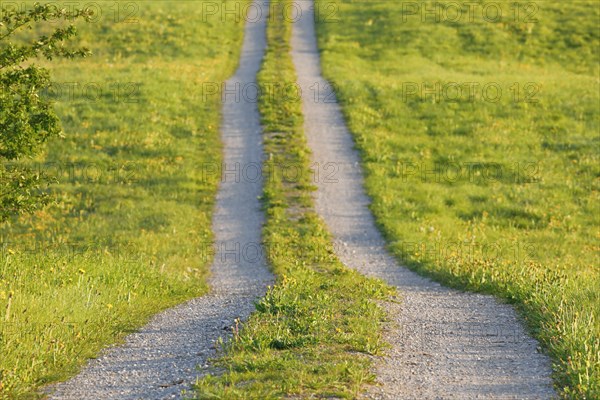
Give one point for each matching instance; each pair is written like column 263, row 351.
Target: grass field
column 311, row 334
column 479, row 137
column 125, row 237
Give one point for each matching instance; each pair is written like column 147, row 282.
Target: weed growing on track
column 495, row 192
column 124, row 239
column 312, row 331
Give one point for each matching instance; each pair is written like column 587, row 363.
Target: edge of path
column 161, row 359
column 444, row 343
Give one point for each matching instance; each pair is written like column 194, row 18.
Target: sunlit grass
column 492, row 194
column 127, row 234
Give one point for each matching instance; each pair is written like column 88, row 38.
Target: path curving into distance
column 160, row 360
column 446, row 344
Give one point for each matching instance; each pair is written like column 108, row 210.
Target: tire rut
column 446, row 344
column 161, row 359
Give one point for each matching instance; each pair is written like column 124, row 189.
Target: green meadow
column 479, row 136
column 478, row 129
column 126, row 235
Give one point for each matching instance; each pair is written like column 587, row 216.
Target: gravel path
column 160, row 360
column 445, row 344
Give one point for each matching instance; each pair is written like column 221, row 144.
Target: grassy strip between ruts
column 312, row 332
column 494, row 192
column 126, row 236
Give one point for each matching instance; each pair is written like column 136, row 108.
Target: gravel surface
column 160, row 360
column 445, row 344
